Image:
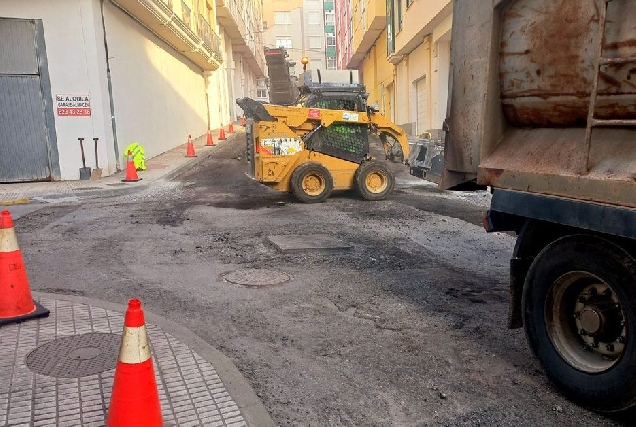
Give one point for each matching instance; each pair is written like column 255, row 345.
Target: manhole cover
column 257, row 277
column 76, row 356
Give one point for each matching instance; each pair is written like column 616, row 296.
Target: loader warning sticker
column 314, row 114
column 353, row 117
column 280, row 146
column 73, row 105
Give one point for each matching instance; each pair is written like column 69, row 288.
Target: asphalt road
column 406, row 328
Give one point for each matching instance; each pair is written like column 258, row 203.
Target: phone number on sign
column 73, row 111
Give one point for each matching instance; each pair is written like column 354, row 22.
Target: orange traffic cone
column 16, row 302
column 135, row 399
column 222, row 133
column 190, row 151
column 243, row 122
column 131, row 170
column 230, row 128
column 210, row 141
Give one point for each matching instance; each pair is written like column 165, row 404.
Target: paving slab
column 59, row 370
column 307, row 243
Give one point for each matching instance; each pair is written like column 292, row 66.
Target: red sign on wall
column 73, row 111
column 73, row 105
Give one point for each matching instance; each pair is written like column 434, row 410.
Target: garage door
column 420, row 94
column 27, row 132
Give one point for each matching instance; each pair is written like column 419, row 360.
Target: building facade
column 344, row 33
column 122, row 71
column 402, row 51
column 304, row 28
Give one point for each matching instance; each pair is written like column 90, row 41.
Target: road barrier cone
column 190, row 151
column 230, row 128
column 210, row 141
column 135, row 399
column 16, row 302
column 243, row 122
column 222, row 134
column 131, row 170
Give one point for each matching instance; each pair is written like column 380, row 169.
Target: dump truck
column 322, row 143
column 542, row 112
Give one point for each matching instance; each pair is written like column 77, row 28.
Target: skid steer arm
column 389, row 134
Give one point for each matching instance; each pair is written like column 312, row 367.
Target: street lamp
column 304, row 60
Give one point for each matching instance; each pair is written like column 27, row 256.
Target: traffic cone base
column 134, row 400
column 131, row 170
column 190, row 148
column 210, row 141
column 16, row 304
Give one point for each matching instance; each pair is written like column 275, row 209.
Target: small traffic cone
column 243, row 122
column 131, row 170
column 210, row 141
column 16, row 302
column 222, row 134
column 134, row 400
column 190, row 150
column 230, row 128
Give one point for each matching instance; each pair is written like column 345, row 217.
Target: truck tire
column 311, row 183
column 374, row 180
column 579, row 314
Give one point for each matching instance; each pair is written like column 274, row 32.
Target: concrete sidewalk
column 165, row 166
column 59, row 370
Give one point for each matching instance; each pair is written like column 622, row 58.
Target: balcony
column 369, row 20
column 244, row 40
column 159, row 18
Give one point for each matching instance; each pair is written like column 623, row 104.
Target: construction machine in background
column 543, row 111
column 283, row 89
column 322, row 143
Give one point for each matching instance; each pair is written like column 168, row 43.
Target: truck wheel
column 579, row 313
column 374, row 180
column 311, row 183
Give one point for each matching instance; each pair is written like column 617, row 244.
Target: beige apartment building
column 402, row 50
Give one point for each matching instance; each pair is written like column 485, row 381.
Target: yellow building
column 402, row 49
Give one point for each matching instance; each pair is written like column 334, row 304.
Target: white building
column 123, row 71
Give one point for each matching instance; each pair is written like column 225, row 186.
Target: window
column 285, row 42
column 261, row 93
column 186, row 14
column 331, row 40
column 399, row 15
column 282, row 18
column 315, row 42
column 331, row 63
column 330, row 18
column 313, row 17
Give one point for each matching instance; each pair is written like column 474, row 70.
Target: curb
column 12, row 202
column 251, row 406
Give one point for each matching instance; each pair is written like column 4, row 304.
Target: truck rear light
column 487, row 223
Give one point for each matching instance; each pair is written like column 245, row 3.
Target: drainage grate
column 76, row 356
column 257, row 277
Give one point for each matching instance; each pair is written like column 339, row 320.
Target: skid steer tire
column 311, row 183
column 374, row 181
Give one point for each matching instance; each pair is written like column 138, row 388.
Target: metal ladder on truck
column 592, row 121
